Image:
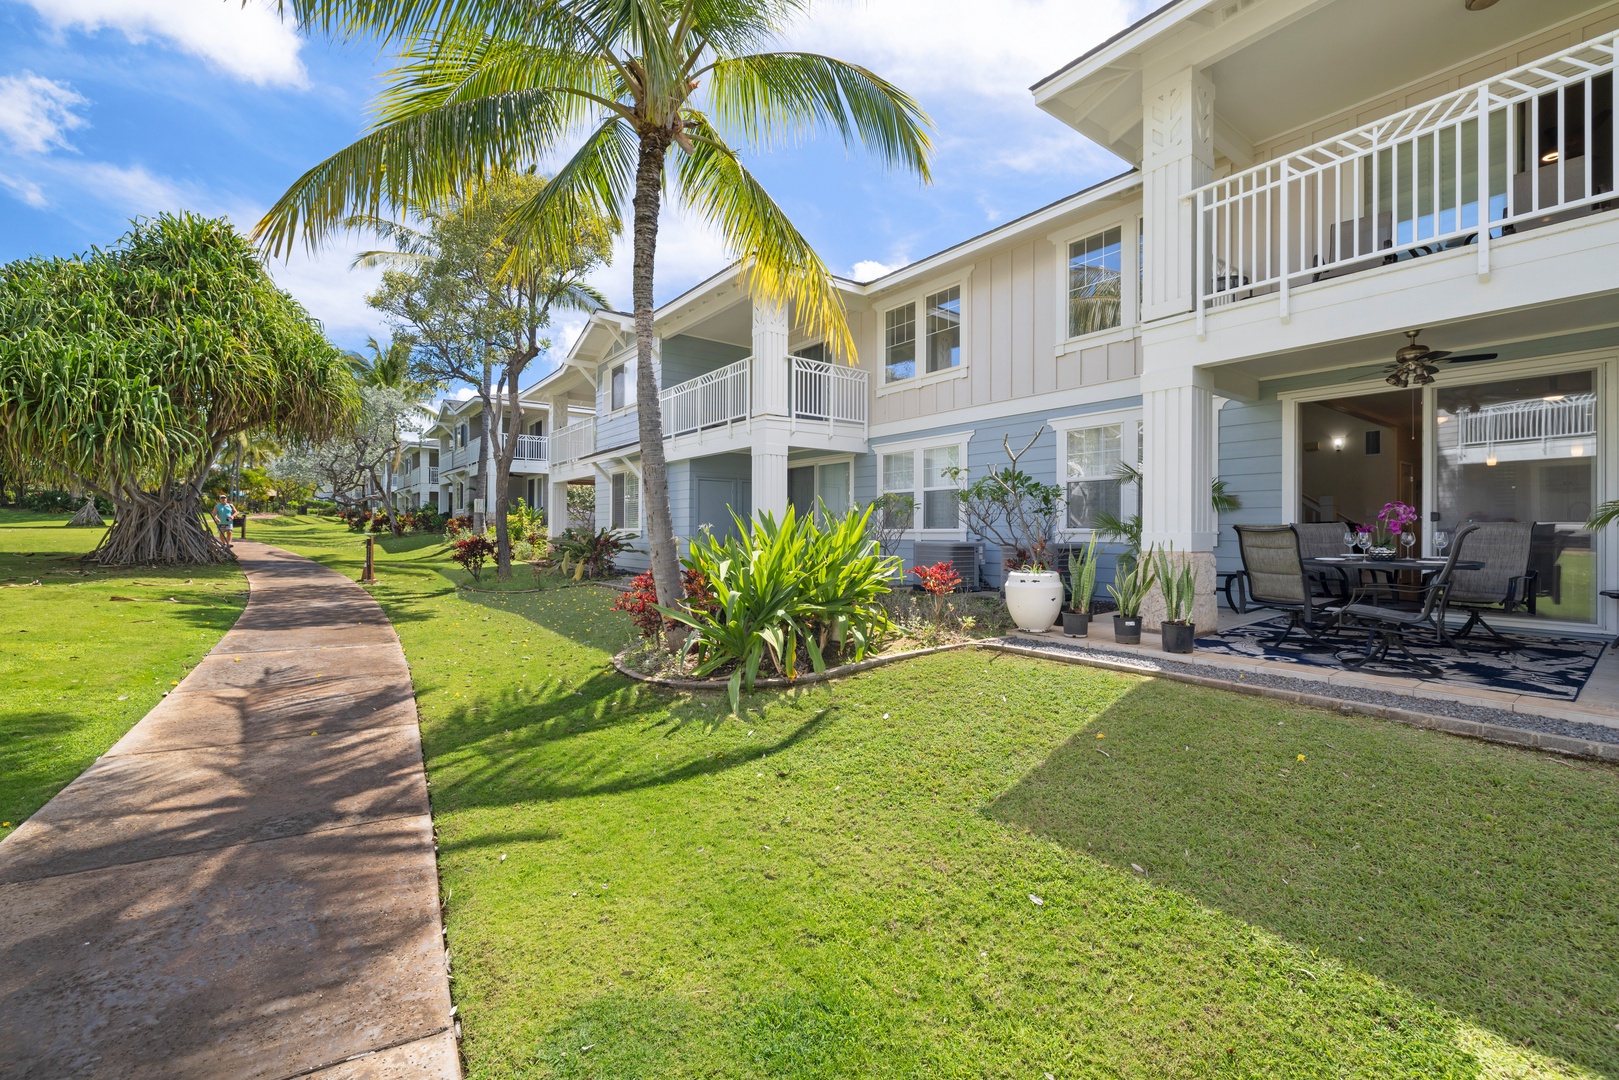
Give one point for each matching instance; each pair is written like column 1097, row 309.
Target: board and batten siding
column 1251, row 465
column 1010, row 346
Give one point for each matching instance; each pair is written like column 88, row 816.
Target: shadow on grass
column 1482, row 878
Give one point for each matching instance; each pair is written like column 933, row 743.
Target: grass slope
column 78, row 668
column 843, row 881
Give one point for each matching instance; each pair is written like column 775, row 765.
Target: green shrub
column 588, row 554
column 59, row 502
column 782, row 591
column 524, row 522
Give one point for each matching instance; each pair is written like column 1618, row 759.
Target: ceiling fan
column 1414, row 364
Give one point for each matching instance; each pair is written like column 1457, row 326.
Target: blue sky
column 113, row 108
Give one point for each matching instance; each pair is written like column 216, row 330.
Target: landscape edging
column 778, row 683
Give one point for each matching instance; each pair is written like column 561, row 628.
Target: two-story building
column 456, row 452
column 1312, row 181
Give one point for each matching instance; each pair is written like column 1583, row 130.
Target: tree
column 486, row 83
column 475, row 309
column 127, row 371
column 358, row 455
column 388, row 367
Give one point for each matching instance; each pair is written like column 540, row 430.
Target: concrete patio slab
column 224, row 894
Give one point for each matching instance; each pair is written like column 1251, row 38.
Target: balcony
column 574, row 441
column 432, row 476
column 1532, row 430
column 1472, row 169
column 819, row 394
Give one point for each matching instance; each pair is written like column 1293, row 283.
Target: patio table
column 1373, row 591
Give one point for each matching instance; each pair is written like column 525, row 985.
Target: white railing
column 821, row 390
column 432, row 475
column 574, row 441
column 530, row 448
column 1528, row 421
column 713, row 400
column 1414, row 183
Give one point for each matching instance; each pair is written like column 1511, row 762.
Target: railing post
column 1484, row 182
column 1283, row 242
column 1202, row 257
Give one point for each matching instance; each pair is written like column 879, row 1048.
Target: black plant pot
column 1076, row 623
column 1127, row 629
column 1178, row 636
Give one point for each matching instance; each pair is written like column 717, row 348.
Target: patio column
column 769, row 473
column 769, row 367
column 1177, row 157
column 1177, row 413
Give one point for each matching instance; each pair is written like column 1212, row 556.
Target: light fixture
column 1490, row 461
column 1337, row 442
column 1576, row 450
column 1477, row 5
column 1548, row 157
column 1442, row 419
column 1553, row 397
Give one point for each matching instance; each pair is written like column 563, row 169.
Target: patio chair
column 1318, row 538
column 1503, row 584
column 1277, row 578
column 1389, row 628
column 1546, row 546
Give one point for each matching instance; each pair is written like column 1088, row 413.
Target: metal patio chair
column 1506, row 581
column 1388, row 629
column 1318, row 538
column 1274, row 568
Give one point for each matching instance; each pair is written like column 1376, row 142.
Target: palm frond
column 1606, row 514
column 592, row 185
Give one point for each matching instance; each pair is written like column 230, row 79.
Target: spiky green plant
column 1178, row 582
column 647, row 94
column 1130, row 587
column 1082, row 577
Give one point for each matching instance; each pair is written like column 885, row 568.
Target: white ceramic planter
column 1033, row 600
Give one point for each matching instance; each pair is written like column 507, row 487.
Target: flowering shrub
column 641, row 601
column 358, row 520
column 455, row 526
column 470, row 553
column 938, row 581
column 380, row 522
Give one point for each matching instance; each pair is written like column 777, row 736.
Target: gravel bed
column 1458, row 710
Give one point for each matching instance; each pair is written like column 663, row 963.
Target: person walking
column 225, row 516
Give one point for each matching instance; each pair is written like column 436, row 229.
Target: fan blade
column 1470, row 358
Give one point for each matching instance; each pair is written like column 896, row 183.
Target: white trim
column 988, row 413
column 915, row 447
column 919, row 297
column 1129, row 296
column 1129, row 418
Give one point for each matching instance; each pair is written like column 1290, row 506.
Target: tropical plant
column 1082, row 577
column 354, row 459
column 640, row 601
column 1128, row 530
column 1131, row 585
column 470, row 552
column 938, row 581
column 582, row 507
column 785, row 591
column 1012, row 508
column 488, row 84
column 588, row 554
column 1178, row 581
column 525, row 522
column 1606, row 514
column 127, row 372
column 893, row 514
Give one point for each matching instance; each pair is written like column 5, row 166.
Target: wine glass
column 1407, row 539
column 1441, row 540
column 1349, row 541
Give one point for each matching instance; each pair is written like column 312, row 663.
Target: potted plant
column 1178, row 585
column 1019, row 514
column 1076, row 617
column 1128, row 590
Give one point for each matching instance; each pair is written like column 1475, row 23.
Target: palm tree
column 652, row 87
column 388, row 368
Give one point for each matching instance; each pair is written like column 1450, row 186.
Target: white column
column 1177, row 157
column 770, row 370
column 770, row 473
column 1178, row 463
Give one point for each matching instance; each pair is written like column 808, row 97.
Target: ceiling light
column 1443, row 419
column 1553, row 397
column 1477, row 5
column 1490, row 461
column 1576, row 450
column 1548, row 157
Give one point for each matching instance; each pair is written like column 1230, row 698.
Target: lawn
column 977, row 865
column 85, row 652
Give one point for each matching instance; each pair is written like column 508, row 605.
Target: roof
column 1101, row 46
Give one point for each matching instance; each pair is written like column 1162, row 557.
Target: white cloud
column 331, row 292
column 36, row 112
column 247, row 41
column 871, row 269
column 958, row 47
column 689, row 251
column 26, row 190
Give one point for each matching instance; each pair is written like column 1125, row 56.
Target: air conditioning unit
column 968, row 558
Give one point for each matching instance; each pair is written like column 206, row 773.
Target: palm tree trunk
column 660, row 531
column 503, row 471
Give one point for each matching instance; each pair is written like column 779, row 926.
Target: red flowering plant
column 471, row 552
column 938, row 581
column 641, row 601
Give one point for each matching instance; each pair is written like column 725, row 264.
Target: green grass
column 78, row 667
column 839, row 882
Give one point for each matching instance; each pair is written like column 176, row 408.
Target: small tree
column 938, row 581
column 892, row 514
column 128, row 371
column 1013, row 509
column 359, row 455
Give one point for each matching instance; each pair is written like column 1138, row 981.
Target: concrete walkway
column 244, row 886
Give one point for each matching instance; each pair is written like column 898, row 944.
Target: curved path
column 244, row 886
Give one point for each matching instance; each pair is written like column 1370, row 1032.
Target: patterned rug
column 1542, row 667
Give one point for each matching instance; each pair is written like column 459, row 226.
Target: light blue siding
column 1251, row 464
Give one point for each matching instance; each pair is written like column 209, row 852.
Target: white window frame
column 915, row 448
column 919, row 296
column 1129, row 293
column 1129, row 421
column 630, row 528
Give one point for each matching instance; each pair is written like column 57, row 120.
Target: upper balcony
column 574, row 442
column 825, row 402
column 1474, row 171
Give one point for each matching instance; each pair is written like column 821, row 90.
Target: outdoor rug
column 1544, row 668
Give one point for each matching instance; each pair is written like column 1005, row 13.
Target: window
column 619, row 389
column 940, row 509
column 626, row 510
column 899, row 478
column 1095, row 281
column 818, row 488
column 944, row 329
column 461, row 436
column 1090, row 471
column 813, row 352
column 899, row 343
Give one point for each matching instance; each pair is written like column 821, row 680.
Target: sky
column 111, row 109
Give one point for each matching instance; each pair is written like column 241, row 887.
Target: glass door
column 1524, row 449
